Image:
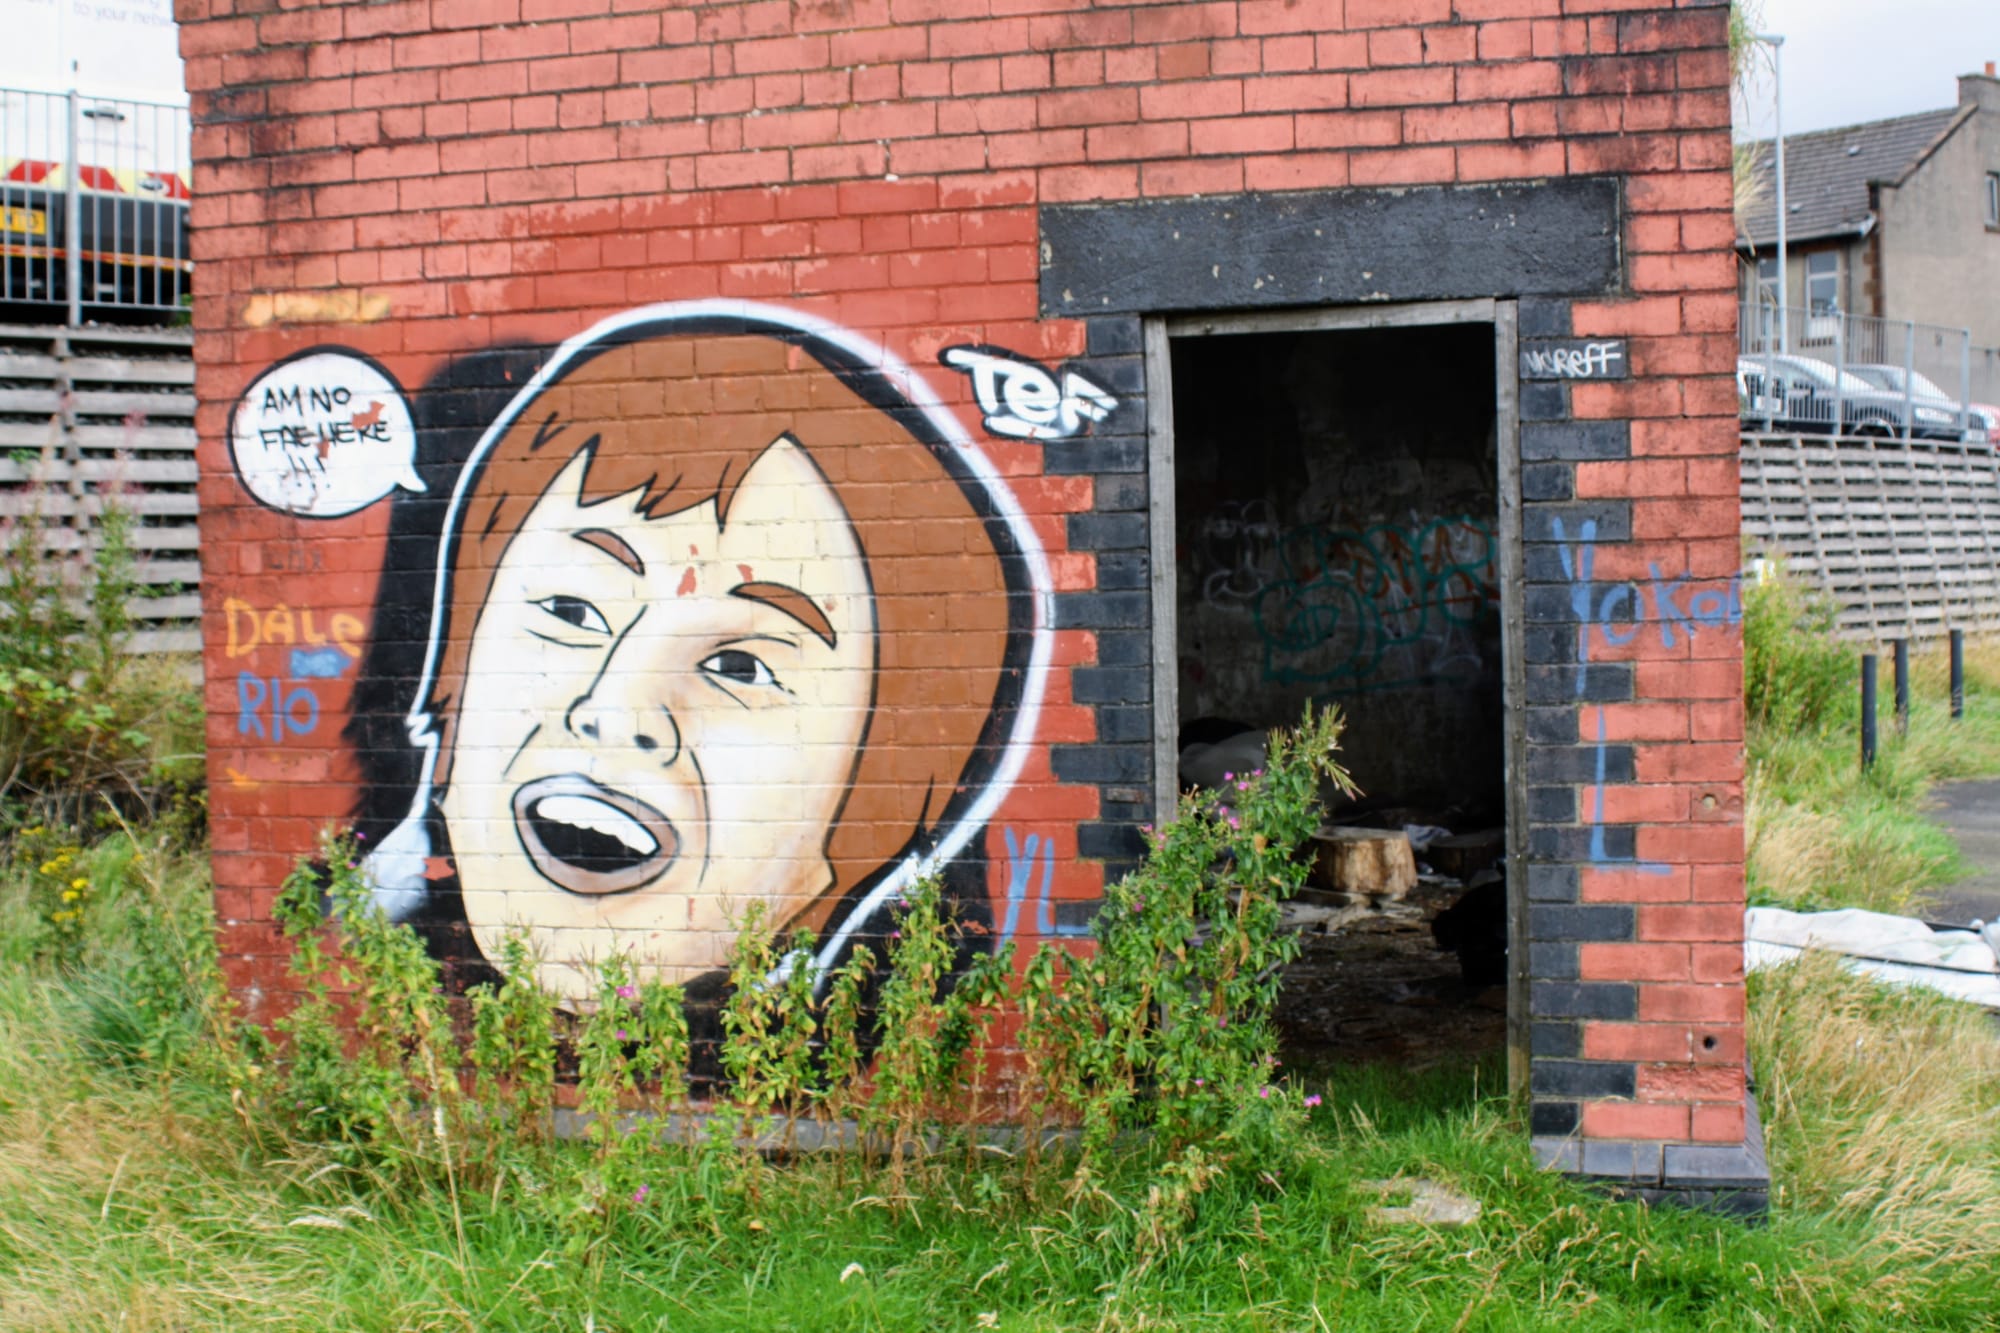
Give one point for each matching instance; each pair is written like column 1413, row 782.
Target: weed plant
column 81, row 719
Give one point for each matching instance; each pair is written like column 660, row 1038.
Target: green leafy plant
column 1166, row 1027
column 1796, row 675
column 79, row 716
column 361, row 973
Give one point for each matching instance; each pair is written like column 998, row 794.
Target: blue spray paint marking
column 285, row 705
column 1619, row 615
column 319, row 663
column 1021, row 865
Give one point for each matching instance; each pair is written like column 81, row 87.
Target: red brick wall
column 421, row 180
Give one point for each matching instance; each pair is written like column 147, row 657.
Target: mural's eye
column 575, row 611
column 739, row 667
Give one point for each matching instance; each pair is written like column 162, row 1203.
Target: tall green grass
column 1820, row 831
column 134, row 1193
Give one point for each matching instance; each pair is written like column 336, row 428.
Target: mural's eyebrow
column 614, row 546
column 792, row 602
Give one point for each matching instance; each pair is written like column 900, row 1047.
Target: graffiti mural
column 1386, row 606
column 673, row 644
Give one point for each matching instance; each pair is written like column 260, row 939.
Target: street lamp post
column 1777, row 44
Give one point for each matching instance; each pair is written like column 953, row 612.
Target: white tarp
column 1899, row 950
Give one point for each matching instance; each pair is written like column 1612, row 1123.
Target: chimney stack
column 1989, row 69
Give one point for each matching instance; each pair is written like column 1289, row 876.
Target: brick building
column 975, row 394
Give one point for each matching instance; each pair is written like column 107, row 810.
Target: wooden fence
column 1904, row 535
column 99, row 413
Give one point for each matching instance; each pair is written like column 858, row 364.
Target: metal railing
column 1829, row 372
column 93, row 202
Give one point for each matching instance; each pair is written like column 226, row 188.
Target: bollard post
column 1867, row 711
column 1902, row 687
column 1957, row 674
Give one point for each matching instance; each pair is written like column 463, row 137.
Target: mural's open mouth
column 587, row 838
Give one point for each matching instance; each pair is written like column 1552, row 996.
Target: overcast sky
column 1853, row 60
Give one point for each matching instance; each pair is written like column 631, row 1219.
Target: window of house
column 1823, row 282
column 1993, row 199
column 1767, row 282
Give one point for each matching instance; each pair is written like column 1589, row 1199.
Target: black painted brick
column 1114, row 336
column 1550, row 843
column 1549, row 961
column 1578, row 924
column 1575, row 441
column 1583, row 1078
column 1103, row 610
column 1555, row 763
column 1555, row 1041
column 1543, row 317
column 1119, row 491
column 1125, row 377
column 1552, row 726
column 1122, row 569
column 1109, row 841
column 1548, row 481
column 1090, row 453
column 1111, row 685
column 1551, row 805
column 1546, row 400
column 1551, row 884
column 1554, row 1119
column 1617, row 1001
column 1542, row 644
column 1124, row 724
column 1107, row 532
column 1607, row 682
column 1102, row 763
column 1124, row 648
column 1612, row 517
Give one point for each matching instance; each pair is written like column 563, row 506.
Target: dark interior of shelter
column 1336, row 519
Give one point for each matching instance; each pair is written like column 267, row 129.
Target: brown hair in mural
column 717, row 630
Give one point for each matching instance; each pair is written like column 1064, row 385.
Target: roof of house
column 1827, row 174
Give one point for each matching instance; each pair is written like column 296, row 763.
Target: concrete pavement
column 1971, row 810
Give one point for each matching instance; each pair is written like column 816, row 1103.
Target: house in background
column 1897, row 219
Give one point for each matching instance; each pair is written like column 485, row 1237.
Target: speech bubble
column 324, row 434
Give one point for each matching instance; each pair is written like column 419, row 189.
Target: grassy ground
column 140, row 1200
column 1822, row 833
column 145, row 1197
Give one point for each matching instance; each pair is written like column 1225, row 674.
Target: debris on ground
column 1415, row 1201
column 1897, row 950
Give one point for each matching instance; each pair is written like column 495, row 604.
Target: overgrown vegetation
column 392, row 1163
column 1821, row 832
column 140, row 1184
column 81, row 719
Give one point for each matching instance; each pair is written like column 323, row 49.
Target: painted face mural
column 727, row 611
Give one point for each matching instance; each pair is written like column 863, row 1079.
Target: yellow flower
column 79, row 883
column 48, row 868
column 70, row 895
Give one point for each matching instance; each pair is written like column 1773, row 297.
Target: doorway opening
column 1342, row 521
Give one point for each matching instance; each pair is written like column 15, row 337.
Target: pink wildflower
column 1264, row 1091
column 639, row 1195
column 622, row 1036
column 1229, row 777
column 628, row 993
column 1312, row 1100
column 1201, row 1083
